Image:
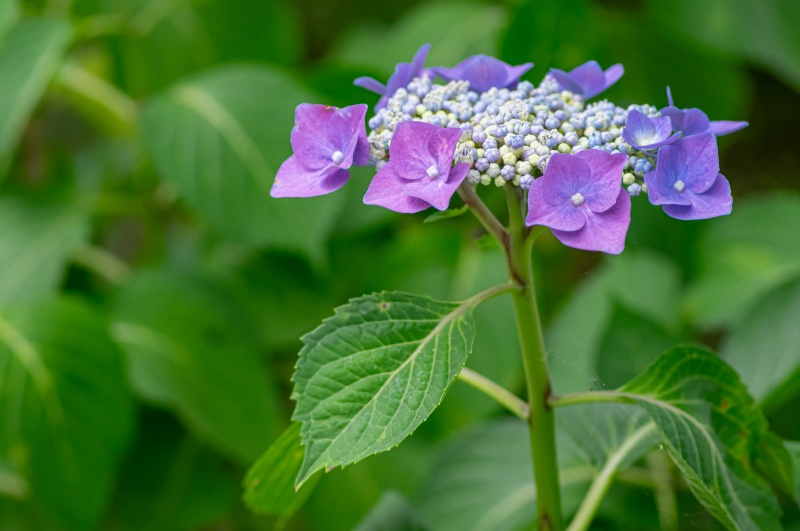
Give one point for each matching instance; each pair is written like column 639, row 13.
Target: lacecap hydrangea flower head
column 437, row 130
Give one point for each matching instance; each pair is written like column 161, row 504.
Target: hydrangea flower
column 588, row 79
column 419, row 173
column 326, row 141
column 580, row 198
column 687, row 181
column 647, row 133
column 694, row 121
column 484, row 72
column 403, row 74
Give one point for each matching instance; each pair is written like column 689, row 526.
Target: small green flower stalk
column 375, row 370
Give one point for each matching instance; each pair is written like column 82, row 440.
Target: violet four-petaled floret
column 687, row 182
column 580, row 198
column 588, row 79
column 694, row 121
column 326, row 141
column 403, row 74
column 646, row 133
column 419, row 173
column 484, row 72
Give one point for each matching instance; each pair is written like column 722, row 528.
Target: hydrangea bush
column 375, row 370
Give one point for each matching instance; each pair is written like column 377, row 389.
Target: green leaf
column 574, row 337
column 454, row 30
column 770, row 327
column 764, row 32
column 774, row 462
column 630, row 344
column 9, row 11
column 794, row 451
column 754, row 250
column 269, row 484
column 483, row 480
column 220, row 138
column 393, row 512
column 711, row 429
column 446, row 214
column 372, row 373
column 28, row 59
column 64, row 406
column 191, row 349
column 35, row 239
column 170, row 480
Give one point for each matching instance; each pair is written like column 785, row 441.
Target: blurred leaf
column 170, row 481
column 764, row 32
column 765, row 347
column 190, row 348
column 483, row 480
column 630, row 344
column 754, row 249
column 569, row 34
column 393, row 512
column 170, row 39
column 36, row 237
column 269, row 484
column 64, row 406
column 496, row 347
column 574, row 337
column 9, row 11
column 29, row 57
column 711, row 428
column 794, row 450
column 284, row 295
column 455, row 30
column 371, row 374
column 12, row 484
column 220, row 138
column 774, row 462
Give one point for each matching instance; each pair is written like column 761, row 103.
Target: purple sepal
column 647, row 133
column 589, row 79
column 403, row 74
column 295, row 180
column 687, row 181
column 484, row 72
column 725, row 127
column 419, row 173
column 581, row 199
column 605, row 232
column 326, row 142
column 694, row 121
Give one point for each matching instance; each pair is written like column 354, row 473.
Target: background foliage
column 152, row 295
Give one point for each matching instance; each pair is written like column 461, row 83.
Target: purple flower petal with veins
column 419, row 173
column 326, row 141
column 694, row 121
column 647, row 133
column 581, row 199
column 484, row 72
column 403, row 74
column 588, row 79
column 687, row 181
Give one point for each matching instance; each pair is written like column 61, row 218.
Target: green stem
column 590, row 397
column 494, row 390
column 483, row 214
column 601, row 484
column 659, row 466
column 542, row 420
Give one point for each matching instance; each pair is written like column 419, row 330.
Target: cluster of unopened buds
column 578, row 164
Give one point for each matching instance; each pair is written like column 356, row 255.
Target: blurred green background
column 152, row 294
